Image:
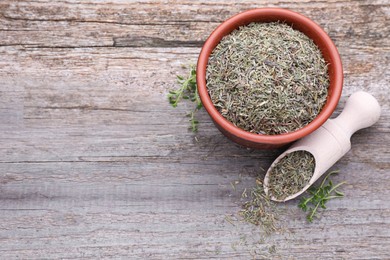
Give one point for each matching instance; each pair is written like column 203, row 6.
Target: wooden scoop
column 331, row 141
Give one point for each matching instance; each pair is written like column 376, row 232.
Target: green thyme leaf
column 319, row 196
column 187, row 90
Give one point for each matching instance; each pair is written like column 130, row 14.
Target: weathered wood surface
column 94, row 163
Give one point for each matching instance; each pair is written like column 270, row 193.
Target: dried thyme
column 291, row 174
column 258, row 209
column 267, row 78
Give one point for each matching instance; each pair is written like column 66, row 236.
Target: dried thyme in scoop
column 291, row 174
column 267, row 78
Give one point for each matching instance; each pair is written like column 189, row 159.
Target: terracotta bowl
column 298, row 22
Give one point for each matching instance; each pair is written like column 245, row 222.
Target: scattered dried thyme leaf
column 259, row 210
column 267, row 78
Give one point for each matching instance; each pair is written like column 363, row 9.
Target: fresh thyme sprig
column 319, row 196
column 194, row 122
column 188, row 90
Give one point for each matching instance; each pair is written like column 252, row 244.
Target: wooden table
column 96, row 164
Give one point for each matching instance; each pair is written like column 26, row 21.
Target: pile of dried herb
column 291, row 174
column 258, row 209
column 267, row 78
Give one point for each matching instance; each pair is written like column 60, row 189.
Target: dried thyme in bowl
column 267, row 78
column 291, row 174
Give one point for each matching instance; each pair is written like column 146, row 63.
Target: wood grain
column 95, row 164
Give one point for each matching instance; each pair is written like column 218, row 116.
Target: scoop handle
column 361, row 110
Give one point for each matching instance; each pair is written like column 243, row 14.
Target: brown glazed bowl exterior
column 298, row 22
